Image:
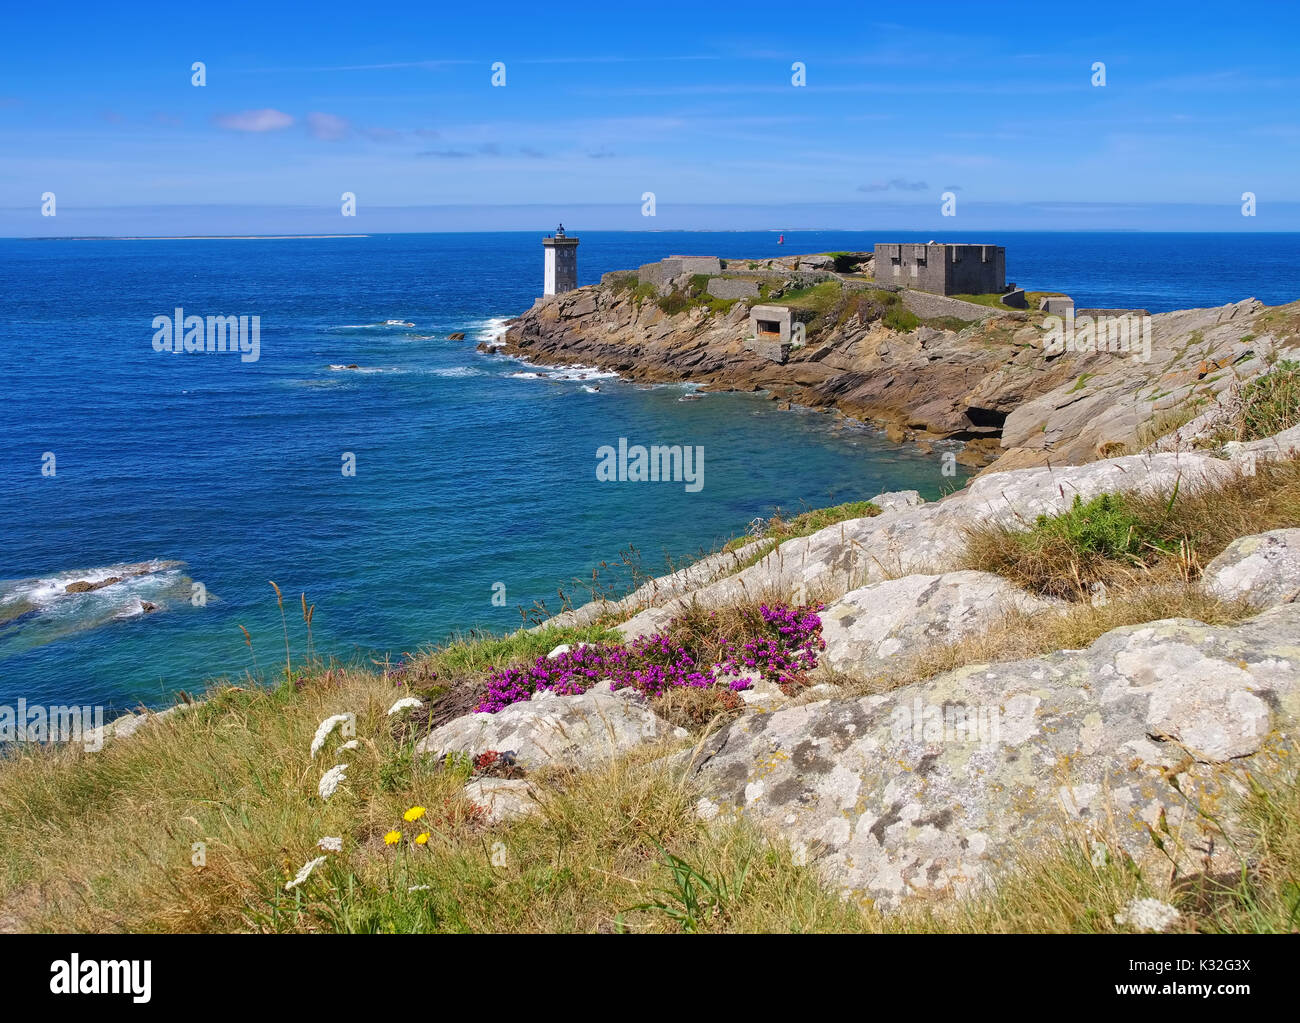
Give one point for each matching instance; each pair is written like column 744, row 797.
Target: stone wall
column 773, row 351
column 730, row 287
column 928, row 306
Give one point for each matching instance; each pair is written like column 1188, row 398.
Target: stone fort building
column 943, row 269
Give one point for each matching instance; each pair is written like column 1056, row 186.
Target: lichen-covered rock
column 502, row 799
column 1264, row 569
column 868, row 626
column 939, row 785
column 898, row 500
column 577, row 731
column 1281, row 445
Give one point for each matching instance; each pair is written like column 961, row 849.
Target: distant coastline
column 193, row 237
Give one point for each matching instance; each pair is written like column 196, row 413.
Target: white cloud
column 327, row 127
column 255, row 120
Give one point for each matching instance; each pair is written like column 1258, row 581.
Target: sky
column 603, row 103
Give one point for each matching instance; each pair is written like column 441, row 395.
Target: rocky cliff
column 988, row 381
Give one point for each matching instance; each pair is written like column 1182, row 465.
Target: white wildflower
column 330, row 844
column 419, row 888
column 331, row 780
column 403, row 704
column 305, row 873
column 323, row 732
column 1147, row 915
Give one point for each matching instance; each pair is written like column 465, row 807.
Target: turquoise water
column 474, row 474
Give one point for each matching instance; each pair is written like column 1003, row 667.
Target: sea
column 432, row 491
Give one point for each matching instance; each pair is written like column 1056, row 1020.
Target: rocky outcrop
column 991, row 383
column 502, row 799
column 1264, row 569
column 868, row 627
column 939, row 786
column 1196, row 356
column 658, row 590
column 550, row 730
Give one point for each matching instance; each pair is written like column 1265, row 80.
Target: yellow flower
column 392, row 838
column 413, row 814
column 422, row 839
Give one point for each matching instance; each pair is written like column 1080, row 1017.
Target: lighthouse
column 561, row 262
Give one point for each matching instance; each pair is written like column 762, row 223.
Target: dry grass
column 1138, row 538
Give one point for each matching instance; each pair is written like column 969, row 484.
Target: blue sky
column 604, row 102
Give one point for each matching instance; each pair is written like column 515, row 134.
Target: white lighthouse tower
column 561, row 262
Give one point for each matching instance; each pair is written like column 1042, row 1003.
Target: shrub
column 674, row 302
column 899, row 317
column 1161, row 537
column 1061, row 555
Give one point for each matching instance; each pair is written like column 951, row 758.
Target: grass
column 953, row 323
column 1128, row 539
column 106, row 842
column 993, row 301
column 816, row 299
column 899, row 317
column 1269, row 403
column 779, row 529
column 1167, row 421
column 694, row 296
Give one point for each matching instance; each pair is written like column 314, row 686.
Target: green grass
column 816, row 298
column 806, row 523
column 993, row 301
column 899, row 317
column 1270, row 403
column 953, row 323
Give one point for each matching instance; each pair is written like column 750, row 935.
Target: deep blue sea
column 474, row 474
